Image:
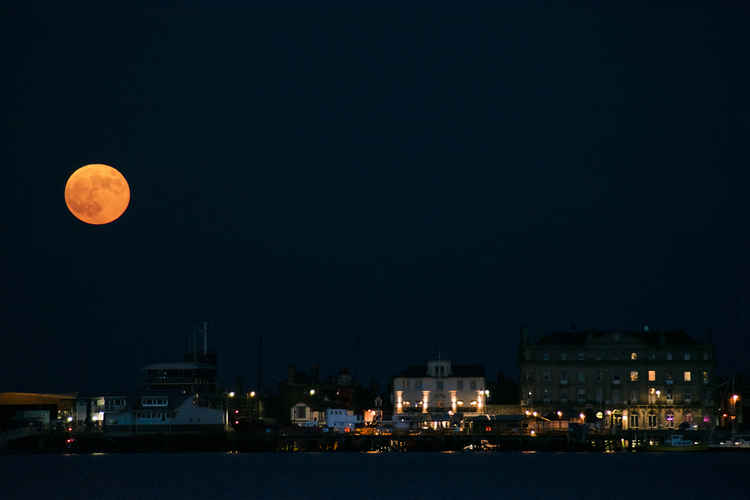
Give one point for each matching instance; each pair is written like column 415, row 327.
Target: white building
column 440, row 387
column 342, row 420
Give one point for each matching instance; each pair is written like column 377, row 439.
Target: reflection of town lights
column 473, row 403
column 487, row 392
column 735, row 397
column 533, row 432
column 460, row 403
column 527, row 412
column 535, row 414
column 609, row 412
column 581, row 416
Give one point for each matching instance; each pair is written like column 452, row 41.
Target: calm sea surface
column 551, row 476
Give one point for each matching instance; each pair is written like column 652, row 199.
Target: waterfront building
column 440, row 387
column 619, row 379
column 18, row 409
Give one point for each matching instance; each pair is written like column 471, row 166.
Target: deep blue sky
column 426, row 180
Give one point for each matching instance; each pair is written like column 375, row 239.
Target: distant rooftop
column 456, row 371
column 626, row 336
column 180, row 365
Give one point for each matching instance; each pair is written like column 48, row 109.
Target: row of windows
column 634, row 376
column 154, row 402
column 633, row 356
column 654, row 396
column 418, row 384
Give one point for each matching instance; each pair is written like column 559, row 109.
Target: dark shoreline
column 58, row 443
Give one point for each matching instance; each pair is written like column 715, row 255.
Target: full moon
column 97, row 194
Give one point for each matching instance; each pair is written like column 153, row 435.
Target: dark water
column 549, row 476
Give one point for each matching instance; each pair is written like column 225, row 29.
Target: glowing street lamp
column 312, row 392
column 231, row 394
column 559, row 414
column 252, row 394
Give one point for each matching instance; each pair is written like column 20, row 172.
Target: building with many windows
column 621, row 379
column 440, row 387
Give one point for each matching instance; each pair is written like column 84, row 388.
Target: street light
column 231, row 394
column 252, row 394
column 559, row 414
column 312, row 392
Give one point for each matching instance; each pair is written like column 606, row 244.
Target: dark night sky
column 426, row 180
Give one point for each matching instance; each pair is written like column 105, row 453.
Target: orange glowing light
column 97, row 194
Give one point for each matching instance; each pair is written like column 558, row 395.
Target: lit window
column 634, row 421
column 686, row 376
column 634, row 375
column 652, row 420
column 634, row 355
column 705, row 377
column 652, row 375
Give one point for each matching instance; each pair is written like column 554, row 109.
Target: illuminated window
column 686, row 376
column 705, row 377
column 652, row 375
column 634, row 375
column 652, row 420
column 633, row 421
column 633, row 355
column 670, row 419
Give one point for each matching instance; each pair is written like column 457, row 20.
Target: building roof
column 456, row 371
column 182, row 365
column 31, row 398
column 645, row 337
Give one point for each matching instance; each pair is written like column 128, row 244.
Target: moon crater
column 97, row 194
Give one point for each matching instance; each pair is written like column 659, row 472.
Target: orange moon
column 97, row 194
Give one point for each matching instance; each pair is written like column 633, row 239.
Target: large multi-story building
column 440, row 386
column 625, row 379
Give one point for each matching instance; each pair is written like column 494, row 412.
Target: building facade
column 440, row 387
column 619, row 379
